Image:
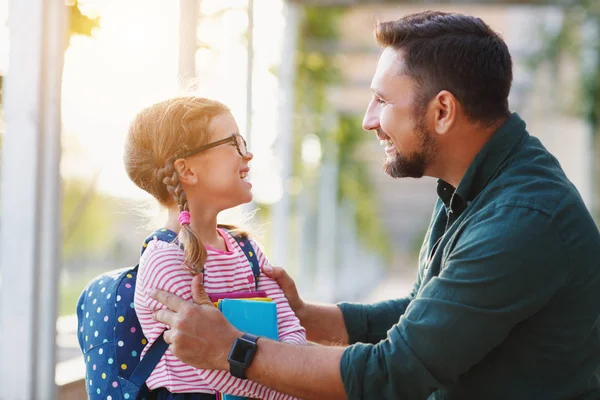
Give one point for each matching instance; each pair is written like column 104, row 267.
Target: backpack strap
column 250, row 253
column 164, row 235
column 142, row 372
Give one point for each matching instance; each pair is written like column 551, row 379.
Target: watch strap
column 238, row 370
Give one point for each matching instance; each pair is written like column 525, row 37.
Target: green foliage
column 69, row 291
column 316, row 73
column 315, row 70
column 88, row 219
column 354, row 184
column 570, row 41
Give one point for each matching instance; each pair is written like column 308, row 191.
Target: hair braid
column 195, row 253
column 170, row 178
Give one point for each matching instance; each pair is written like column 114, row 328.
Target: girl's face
column 221, row 170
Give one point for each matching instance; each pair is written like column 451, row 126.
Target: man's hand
column 200, row 335
column 324, row 323
column 286, row 283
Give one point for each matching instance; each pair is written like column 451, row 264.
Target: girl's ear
column 186, row 174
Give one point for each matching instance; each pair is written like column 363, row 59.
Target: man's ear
column 187, row 176
column 445, row 107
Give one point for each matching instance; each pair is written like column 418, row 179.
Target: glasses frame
column 232, row 138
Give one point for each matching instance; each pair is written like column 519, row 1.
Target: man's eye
column 377, row 99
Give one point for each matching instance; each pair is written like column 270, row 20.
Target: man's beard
column 413, row 165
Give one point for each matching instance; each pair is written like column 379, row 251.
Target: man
column 507, row 297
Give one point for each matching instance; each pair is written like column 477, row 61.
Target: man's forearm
column 306, row 372
column 324, row 323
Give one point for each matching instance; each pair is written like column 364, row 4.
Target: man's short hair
column 453, row 52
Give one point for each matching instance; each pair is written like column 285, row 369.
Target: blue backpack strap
column 142, row 372
column 164, row 235
column 250, row 253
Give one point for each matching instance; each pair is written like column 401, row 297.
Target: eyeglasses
column 235, row 138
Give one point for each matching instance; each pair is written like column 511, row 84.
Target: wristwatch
column 241, row 355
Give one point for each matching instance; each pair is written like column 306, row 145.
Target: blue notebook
column 253, row 316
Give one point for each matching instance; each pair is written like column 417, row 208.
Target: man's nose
column 371, row 119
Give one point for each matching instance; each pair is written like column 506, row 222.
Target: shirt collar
column 484, row 166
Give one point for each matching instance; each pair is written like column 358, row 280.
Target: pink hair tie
column 184, row 218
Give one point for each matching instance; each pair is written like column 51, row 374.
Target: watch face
column 242, row 352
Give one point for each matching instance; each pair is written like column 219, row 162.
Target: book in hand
column 256, row 316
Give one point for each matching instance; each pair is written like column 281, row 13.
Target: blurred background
column 296, row 75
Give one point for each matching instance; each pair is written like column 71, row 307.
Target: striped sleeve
column 290, row 330
column 224, row 382
column 164, row 269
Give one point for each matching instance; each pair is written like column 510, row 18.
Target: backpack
column 110, row 335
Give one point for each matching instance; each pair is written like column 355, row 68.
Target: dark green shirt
column 506, row 303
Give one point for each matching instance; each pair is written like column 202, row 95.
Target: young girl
column 188, row 154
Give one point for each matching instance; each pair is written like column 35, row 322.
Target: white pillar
column 250, row 207
column 304, row 271
column 327, row 226
column 50, row 215
column 188, row 41
column 30, row 208
column 249, row 71
column 287, row 72
column 349, row 279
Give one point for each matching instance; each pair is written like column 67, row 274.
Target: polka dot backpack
column 110, row 335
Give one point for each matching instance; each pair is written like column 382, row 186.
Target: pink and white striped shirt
column 162, row 267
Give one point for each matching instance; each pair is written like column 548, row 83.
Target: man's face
column 400, row 126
